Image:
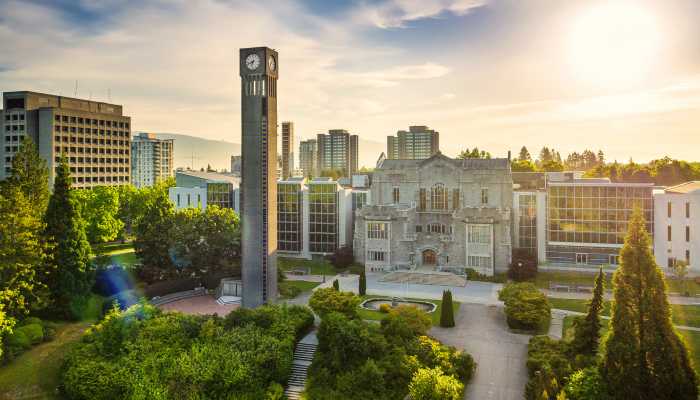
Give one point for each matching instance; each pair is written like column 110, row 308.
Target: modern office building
column 437, row 214
column 287, row 149
column 151, row 159
column 677, row 220
column 199, row 189
column 418, row 143
column 236, row 165
column 94, row 137
column 337, row 150
column 308, row 157
column 314, row 217
column 259, row 73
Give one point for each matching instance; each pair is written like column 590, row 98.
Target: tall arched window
column 438, row 197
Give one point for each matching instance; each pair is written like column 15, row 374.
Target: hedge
column 525, row 306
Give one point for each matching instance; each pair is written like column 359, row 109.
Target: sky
column 618, row 75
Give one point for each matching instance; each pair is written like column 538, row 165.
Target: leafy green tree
column 154, row 238
column 433, row 384
column 585, row 384
column 644, row 356
column 30, row 175
column 523, row 166
column 362, row 286
column 325, row 301
column 70, row 275
column 473, row 153
column 447, row 317
column 552, row 166
column 587, row 329
column 100, row 209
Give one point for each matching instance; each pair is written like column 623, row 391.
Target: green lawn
column 318, row 267
column 121, row 253
column 35, row 374
column 543, row 279
column 378, row 315
column 303, row 286
column 682, row 314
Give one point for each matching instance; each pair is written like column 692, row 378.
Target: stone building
column 437, row 214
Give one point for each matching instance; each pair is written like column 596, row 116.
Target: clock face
column 252, row 61
column 271, row 63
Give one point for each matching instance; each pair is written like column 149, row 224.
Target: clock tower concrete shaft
column 258, row 70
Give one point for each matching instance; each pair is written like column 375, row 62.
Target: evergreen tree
column 644, row 356
column 587, row 333
column 70, row 273
column 336, row 285
column 30, row 175
column 362, row 289
column 447, row 318
column 524, row 154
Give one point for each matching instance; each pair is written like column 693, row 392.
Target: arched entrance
column 429, row 257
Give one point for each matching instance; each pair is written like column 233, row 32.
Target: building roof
column 467, row 164
column 692, row 187
column 212, row 177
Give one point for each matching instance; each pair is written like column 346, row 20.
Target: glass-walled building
column 323, row 216
column 587, row 219
column 289, row 216
column 221, row 190
column 527, row 223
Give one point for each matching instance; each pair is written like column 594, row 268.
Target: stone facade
column 437, row 214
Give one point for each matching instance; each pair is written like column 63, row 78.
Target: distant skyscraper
column 308, row 157
column 236, row 165
column 418, row 143
column 337, row 150
column 94, row 137
column 287, row 149
column 258, row 70
column 151, row 159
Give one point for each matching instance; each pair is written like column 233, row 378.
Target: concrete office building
column 94, row 137
column 258, row 71
column 314, row 217
column 287, row 149
column 337, row 150
column 308, row 157
column 236, row 165
column 198, row 189
column 418, row 143
column 151, row 159
column 677, row 219
column 437, row 214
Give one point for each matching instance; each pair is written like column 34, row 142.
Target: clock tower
column 258, row 70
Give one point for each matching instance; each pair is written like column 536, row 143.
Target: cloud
column 396, row 13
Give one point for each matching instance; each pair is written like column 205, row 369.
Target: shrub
column 433, row 384
column 525, row 306
column 362, row 284
column 406, row 323
column 18, row 341
column 548, row 366
column 474, row 275
column 31, row 321
column 384, row 308
column 432, row 353
column 586, row 384
column 288, row 291
column 342, row 257
column 325, row 301
column 447, row 317
column 336, row 285
column 34, row 332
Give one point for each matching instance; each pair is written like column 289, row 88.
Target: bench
column 559, row 287
column 584, row 288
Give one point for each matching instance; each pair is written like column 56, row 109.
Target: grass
column 121, row 253
column 687, row 315
column 318, row 267
column 302, row 286
column 378, row 315
column 543, row 279
column 35, row 373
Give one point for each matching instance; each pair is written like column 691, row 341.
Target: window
column 376, row 255
column 396, row 195
column 377, row 230
column 437, row 228
column 687, row 256
column 178, row 199
column 668, row 232
column 478, row 262
column 484, row 195
column 455, row 199
column 613, row 259
column 687, row 234
column 581, row 258
column 438, row 197
column 479, row 234
column 669, row 208
column 671, row 262
column 687, row 210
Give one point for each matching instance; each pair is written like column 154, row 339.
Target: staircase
column 303, row 355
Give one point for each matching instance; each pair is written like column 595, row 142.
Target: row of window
column 94, row 131
column 669, row 233
column 439, row 195
column 81, row 120
column 376, row 256
column 599, row 191
column 670, row 210
column 673, row 261
column 582, row 259
column 88, row 170
column 101, row 160
column 15, row 138
column 14, row 128
column 100, row 179
column 93, row 150
column 73, row 139
column 14, row 117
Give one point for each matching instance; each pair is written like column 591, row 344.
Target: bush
column 34, row 332
column 548, row 366
column 474, row 275
column 523, row 267
column 384, row 308
column 17, row 341
column 362, row 284
column 406, row 323
column 586, row 384
column 336, row 285
column 342, row 257
column 288, row 291
column 31, row 321
column 525, row 306
column 433, row 384
column 325, row 301
column 447, row 317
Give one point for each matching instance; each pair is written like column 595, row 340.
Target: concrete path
column 556, row 326
column 500, row 355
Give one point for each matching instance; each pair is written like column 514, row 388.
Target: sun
column 614, row 43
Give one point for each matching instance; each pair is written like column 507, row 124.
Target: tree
column 100, row 209
column 70, row 274
column 587, row 329
column 644, row 357
column 433, row 384
column 325, row 301
column 680, row 270
column 334, row 173
column 336, row 285
column 474, row 153
column 447, row 318
column 523, row 166
column 30, row 175
column 552, row 166
column 153, row 238
column 342, row 257
column 524, row 154
column 405, row 323
column 362, row 287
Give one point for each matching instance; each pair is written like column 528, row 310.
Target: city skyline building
column 418, row 143
column 337, row 150
column 95, row 137
column 308, row 157
column 259, row 72
column 287, row 149
column 151, row 159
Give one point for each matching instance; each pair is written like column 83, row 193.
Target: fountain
column 376, row 303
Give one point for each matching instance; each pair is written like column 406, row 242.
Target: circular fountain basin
column 375, row 304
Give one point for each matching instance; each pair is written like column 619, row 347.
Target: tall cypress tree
column 70, row 274
column 587, row 333
column 644, row 356
column 362, row 289
column 30, row 175
column 447, row 317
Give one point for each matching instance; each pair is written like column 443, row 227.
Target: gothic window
column 438, row 197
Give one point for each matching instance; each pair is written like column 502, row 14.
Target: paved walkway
column 200, row 305
column 500, row 354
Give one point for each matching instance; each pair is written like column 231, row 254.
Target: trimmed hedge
column 525, row 306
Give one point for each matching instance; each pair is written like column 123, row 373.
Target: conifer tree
column 447, row 318
column 30, row 175
column 70, row 273
column 362, row 289
column 587, row 333
column 644, row 356
column 336, row 285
